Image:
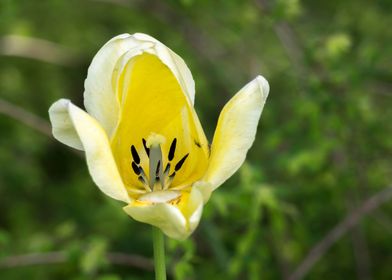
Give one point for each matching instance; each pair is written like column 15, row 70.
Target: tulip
column 143, row 142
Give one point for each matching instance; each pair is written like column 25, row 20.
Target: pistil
column 158, row 177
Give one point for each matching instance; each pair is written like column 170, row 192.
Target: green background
column 323, row 145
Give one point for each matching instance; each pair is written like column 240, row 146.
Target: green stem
column 159, row 254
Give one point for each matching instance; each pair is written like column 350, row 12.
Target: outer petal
column 235, row 133
column 153, row 102
column 100, row 97
column 62, row 127
column 176, row 218
column 175, row 63
column 94, row 141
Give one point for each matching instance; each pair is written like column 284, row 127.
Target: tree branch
column 38, row 49
column 25, row 117
column 59, row 257
column 352, row 219
column 35, row 122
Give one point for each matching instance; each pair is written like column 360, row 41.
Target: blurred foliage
column 324, row 143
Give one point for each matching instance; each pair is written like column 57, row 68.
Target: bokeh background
column 312, row 200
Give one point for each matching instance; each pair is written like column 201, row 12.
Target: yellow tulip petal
column 95, row 143
column 174, row 62
column 62, row 127
column 177, row 217
column 235, row 132
column 100, row 97
column 154, row 103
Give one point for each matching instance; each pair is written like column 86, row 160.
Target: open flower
column 143, row 141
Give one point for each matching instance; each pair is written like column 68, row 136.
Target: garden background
column 312, row 201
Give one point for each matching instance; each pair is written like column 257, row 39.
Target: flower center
column 159, row 177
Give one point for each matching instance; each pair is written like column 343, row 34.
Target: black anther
column 167, row 168
column 141, row 180
column 135, row 155
column 136, row 168
column 180, row 163
column 145, row 147
column 172, row 149
column 158, row 167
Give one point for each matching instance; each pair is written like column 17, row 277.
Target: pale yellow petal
column 153, row 102
column 95, row 143
column 235, row 132
column 177, row 218
column 62, row 127
column 174, row 62
column 100, row 96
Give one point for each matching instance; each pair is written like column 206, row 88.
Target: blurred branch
column 33, row 259
column 39, row 49
column 124, row 3
column 130, row 260
column 61, row 257
column 289, row 41
column 359, row 242
column 25, row 117
column 35, row 122
column 381, row 88
column 339, row 230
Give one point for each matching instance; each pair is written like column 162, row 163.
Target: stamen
column 169, row 180
column 142, row 173
column 154, row 142
column 167, row 169
column 158, row 178
column 145, row 147
column 157, row 170
column 141, row 180
column 135, row 155
column 172, row 149
column 180, row 163
column 157, row 186
column 135, row 168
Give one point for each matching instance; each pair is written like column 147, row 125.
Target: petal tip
column 264, row 85
column 63, row 102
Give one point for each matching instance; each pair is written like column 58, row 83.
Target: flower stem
column 159, row 253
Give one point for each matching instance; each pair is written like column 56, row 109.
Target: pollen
column 155, row 140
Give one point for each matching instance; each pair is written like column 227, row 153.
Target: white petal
column 177, row 221
column 62, row 127
column 100, row 97
column 235, row 133
column 95, row 143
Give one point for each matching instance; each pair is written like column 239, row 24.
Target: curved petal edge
column 95, row 143
column 100, row 97
column 235, row 133
column 176, row 219
column 62, row 127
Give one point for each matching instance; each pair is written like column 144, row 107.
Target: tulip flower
column 143, row 142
